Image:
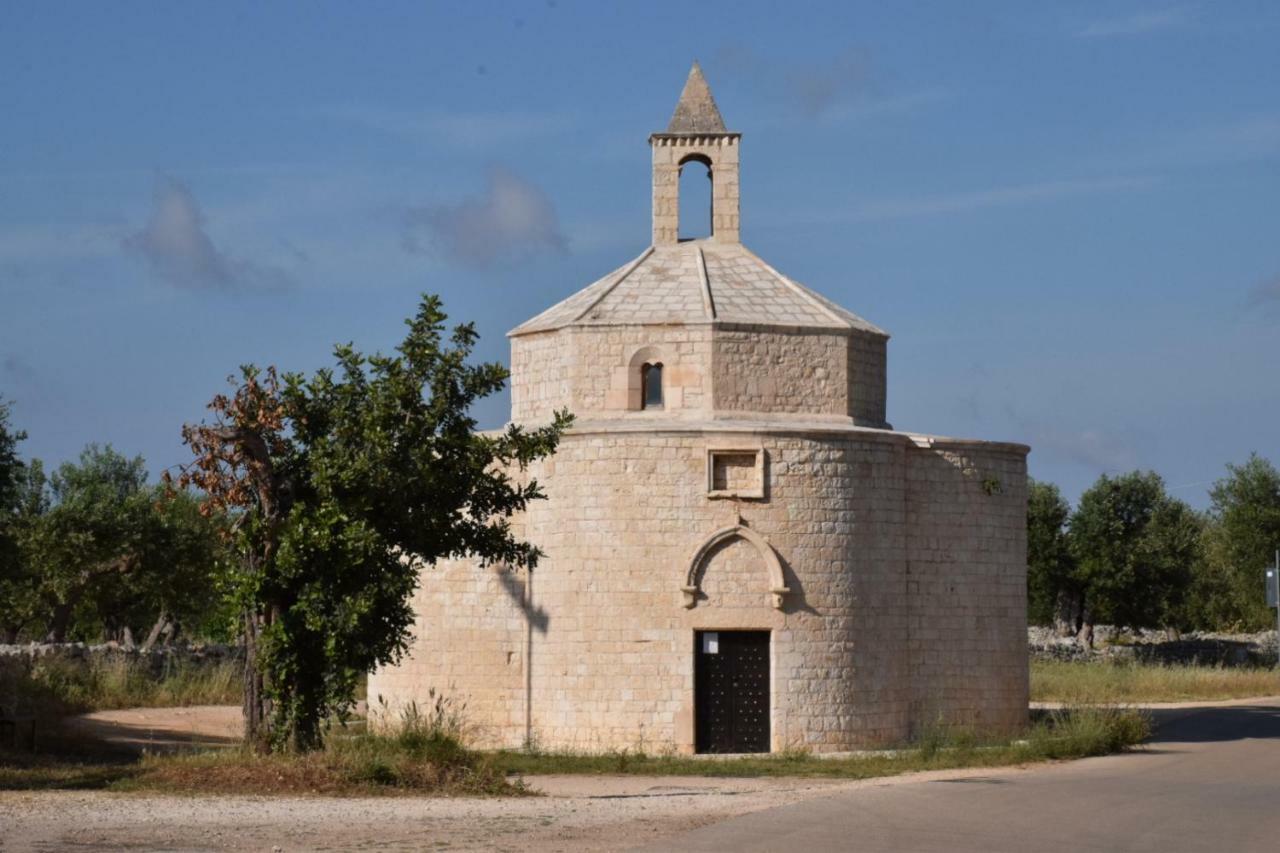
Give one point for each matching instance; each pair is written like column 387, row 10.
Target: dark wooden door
column 731, row 691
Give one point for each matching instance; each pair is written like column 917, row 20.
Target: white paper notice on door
column 711, row 643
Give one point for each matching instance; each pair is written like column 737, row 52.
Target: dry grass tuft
column 1128, row 682
column 1070, row 733
column 52, row 687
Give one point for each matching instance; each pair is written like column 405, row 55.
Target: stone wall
column 594, row 371
column 867, row 371
column 159, row 659
column 725, row 370
column 758, row 371
column 607, row 644
column 966, row 583
column 540, row 379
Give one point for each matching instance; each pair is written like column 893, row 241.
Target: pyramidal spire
column 697, row 111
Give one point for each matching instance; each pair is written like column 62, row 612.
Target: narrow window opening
column 696, row 184
column 651, row 386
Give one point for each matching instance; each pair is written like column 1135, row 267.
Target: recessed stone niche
column 735, row 473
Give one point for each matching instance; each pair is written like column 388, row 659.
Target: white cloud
column 1138, row 23
column 179, row 251
column 511, row 220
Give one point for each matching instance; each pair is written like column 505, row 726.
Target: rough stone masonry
column 730, row 470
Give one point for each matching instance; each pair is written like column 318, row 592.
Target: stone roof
column 696, row 281
column 696, row 111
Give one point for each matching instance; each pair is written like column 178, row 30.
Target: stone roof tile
column 665, row 286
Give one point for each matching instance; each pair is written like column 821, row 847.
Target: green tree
column 1136, row 549
column 20, row 576
column 107, row 556
column 1053, row 593
column 343, row 485
column 1241, row 539
column 15, row 593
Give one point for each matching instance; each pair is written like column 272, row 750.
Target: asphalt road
column 1209, row 780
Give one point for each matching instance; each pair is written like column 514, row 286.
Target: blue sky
column 1065, row 214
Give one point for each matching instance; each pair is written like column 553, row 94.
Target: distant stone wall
column 160, row 659
column 1199, row 648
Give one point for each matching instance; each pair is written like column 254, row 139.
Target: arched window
column 696, row 197
column 651, row 386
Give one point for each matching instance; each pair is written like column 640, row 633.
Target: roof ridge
column 708, row 301
column 628, row 271
column 799, row 289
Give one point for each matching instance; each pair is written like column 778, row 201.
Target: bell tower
column 696, row 134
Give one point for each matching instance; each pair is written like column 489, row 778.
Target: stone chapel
column 742, row 555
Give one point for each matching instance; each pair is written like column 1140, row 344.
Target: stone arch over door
column 778, row 588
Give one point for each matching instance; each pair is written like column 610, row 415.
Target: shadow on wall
column 795, row 602
column 535, row 616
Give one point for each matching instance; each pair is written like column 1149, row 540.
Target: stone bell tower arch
column 696, row 133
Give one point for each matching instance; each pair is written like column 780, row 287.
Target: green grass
column 424, row 757
column 52, row 687
column 1076, row 733
column 1121, row 682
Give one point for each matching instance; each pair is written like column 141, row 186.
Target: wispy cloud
column 473, row 129
column 510, row 220
column 41, row 242
column 17, row 369
column 1093, row 448
column 1265, row 294
column 1242, row 139
column 1006, row 196
column 1138, row 23
column 179, row 251
column 810, row 88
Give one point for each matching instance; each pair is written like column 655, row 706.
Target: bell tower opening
column 697, row 198
column 695, row 170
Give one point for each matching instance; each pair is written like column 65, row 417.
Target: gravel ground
column 579, row 814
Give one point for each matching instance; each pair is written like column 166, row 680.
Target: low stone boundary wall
column 1198, row 648
column 159, row 659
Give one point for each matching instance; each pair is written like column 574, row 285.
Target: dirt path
column 161, row 729
column 579, row 813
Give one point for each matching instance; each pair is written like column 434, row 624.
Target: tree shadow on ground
column 1215, row 725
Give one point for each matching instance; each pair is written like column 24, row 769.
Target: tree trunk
column 1066, row 617
column 257, row 710
column 60, row 622
column 126, row 637
column 154, row 634
column 1085, row 636
column 11, row 634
